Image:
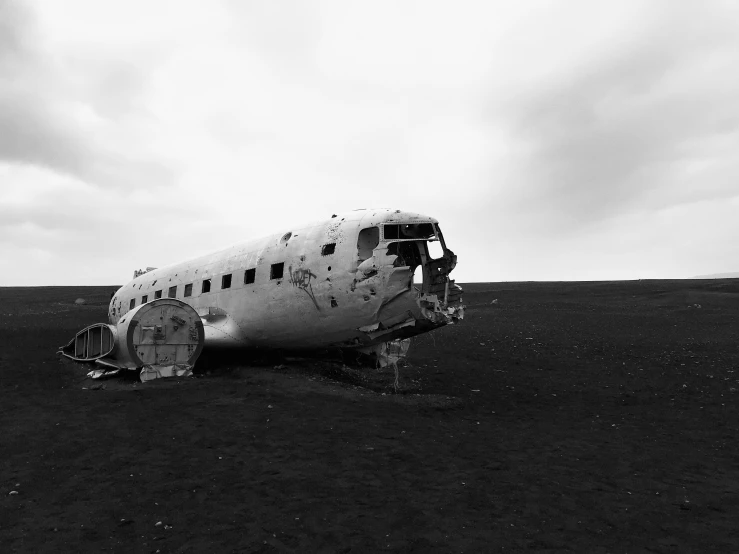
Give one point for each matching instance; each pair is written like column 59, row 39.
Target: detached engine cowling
column 163, row 338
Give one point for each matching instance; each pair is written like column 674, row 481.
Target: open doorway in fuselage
column 408, row 254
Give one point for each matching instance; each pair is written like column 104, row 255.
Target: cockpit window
column 368, row 240
column 409, row 231
column 434, row 250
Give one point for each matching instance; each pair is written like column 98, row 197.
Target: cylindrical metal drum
column 163, row 332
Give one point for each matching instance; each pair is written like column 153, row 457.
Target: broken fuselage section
column 345, row 282
column 161, row 338
column 400, row 254
column 365, row 280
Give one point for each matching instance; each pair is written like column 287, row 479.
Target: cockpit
column 408, row 247
column 408, row 258
column 416, row 243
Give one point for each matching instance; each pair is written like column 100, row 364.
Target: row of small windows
column 172, row 293
column 276, row 271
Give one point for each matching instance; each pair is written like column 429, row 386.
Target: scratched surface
column 311, row 286
column 590, row 417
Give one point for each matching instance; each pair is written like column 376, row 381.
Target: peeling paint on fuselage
column 321, row 300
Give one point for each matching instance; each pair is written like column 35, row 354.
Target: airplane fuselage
column 344, row 282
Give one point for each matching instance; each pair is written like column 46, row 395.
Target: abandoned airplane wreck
column 348, row 282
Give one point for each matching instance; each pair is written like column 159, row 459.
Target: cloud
column 544, row 136
column 30, row 130
column 13, row 42
column 70, row 112
column 646, row 124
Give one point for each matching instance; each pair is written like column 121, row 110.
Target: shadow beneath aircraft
column 348, row 367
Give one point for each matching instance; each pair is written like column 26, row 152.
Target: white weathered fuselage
column 357, row 293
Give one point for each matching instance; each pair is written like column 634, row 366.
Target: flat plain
column 582, row 417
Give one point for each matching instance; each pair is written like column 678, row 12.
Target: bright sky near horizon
column 569, row 140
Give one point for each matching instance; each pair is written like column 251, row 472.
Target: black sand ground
column 586, row 417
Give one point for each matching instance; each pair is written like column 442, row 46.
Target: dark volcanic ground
column 587, row 417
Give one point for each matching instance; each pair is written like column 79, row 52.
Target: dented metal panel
column 358, row 279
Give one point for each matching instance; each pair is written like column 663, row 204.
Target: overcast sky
column 553, row 140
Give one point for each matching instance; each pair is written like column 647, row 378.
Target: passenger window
column 188, row 290
column 226, row 281
column 172, row 291
column 157, row 294
column 206, row 285
column 132, row 304
column 144, row 299
column 276, row 270
column 249, row 275
column 328, row 249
